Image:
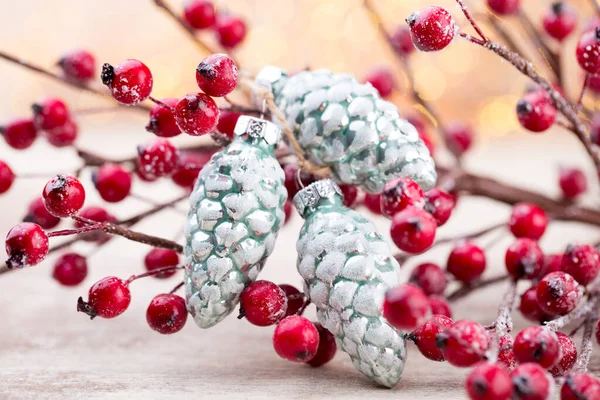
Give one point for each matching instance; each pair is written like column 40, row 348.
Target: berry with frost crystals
column 130, row 82
column 158, row 158
column 406, row 307
column 524, row 259
column 38, row 214
column 197, row 114
column 263, row 303
column 70, row 269
column 582, row 262
column 432, row 28
column 19, row 134
column 568, row 355
column 50, row 113
column 26, row 244
column 78, row 65
column 190, row 164
column 413, row 230
column 580, row 387
column 107, row 298
column 227, row 122
column 488, row 382
column 430, row 278
column 440, row 204
column 398, row 194
column 425, row 336
column 558, row 293
column 536, row 112
column 160, row 258
column 588, row 51
column 113, row 182
column 506, row 355
column 382, row 79
column 439, row 305
column 63, row 196
column 162, row 121
column 466, row 262
column 464, row 343
column 528, row 220
column 529, row 307
column 217, row 75
column 560, row 20
column 531, row 382
column 537, row 344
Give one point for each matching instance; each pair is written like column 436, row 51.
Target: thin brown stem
column 466, row 290
column 499, row 29
column 176, row 288
column 471, row 20
column 76, row 231
column 586, row 83
column 472, row 39
column 585, row 351
column 549, row 56
column 160, row 103
column 504, row 323
column 154, row 272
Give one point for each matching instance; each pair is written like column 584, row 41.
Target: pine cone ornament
column 345, row 125
column 236, row 211
column 347, row 267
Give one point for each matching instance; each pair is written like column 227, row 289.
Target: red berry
column 460, row 138
column 430, row 278
column 113, row 182
column 50, row 113
column 288, row 210
column 160, row 258
column 231, row 30
column 529, row 307
column 439, row 305
column 536, row 112
column 531, row 382
column 166, row 313
column 464, row 343
column 162, row 121
column 291, row 179
column 190, row 164
column 402, row 41
column 424, row 136
column 217, row 75
column 553, row 263
column 107, row 298
column 588, row 51
column 26, row 244
column 78, row 65
column 398, row 194
column 70, row 269
column 97, row 214
column 432, row 28
column 19, row 134
column 413, row 230
column 572, row 182
column 582, row 262
column 227, row 122
column 350, row 193
column 425, row 336
column 524, row 259
column 38, row 214
column 373, row 203
column 327, row 347
column 296, row 339
column 466, row 262
column 7, row 177
column 558, row 293
column 488, row 382
column 130, row 82
column 406, row 307
column 63, row 195
column 263, row 303
column 504, row 7
column 199, row 14
column 560, row 20
column 568, row 355
column 295, row 299
column 440, row 204
column 580, row 387
column 382, row 79
column 594, row 86
column 506, row 355
column 537, row 344
column 528, row 220
column 64, row 135
column 197, row 114
column 158, row 158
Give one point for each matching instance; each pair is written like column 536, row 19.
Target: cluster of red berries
column 202, row 14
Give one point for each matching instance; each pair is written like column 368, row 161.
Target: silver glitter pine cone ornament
column 345, row 125
column 347, row 268
column 236, row 211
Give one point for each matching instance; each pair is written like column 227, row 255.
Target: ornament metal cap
column 307, row 198
column 256, row 128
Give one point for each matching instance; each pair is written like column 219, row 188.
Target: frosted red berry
column 295, row 299
column 350, row 193
column 130, row 82
column 425, row 336
column 460, row 138
column 113, row 182
column 466, row 262
column 160, row 258
column 402, row 41
column 430, row 278
column 199, row 14
column 263, row 303
column 288, row 210
column 439, row 305
column 166, row 313
column 413, row 230
column 594, row 86
column 190, row 164
column 582, row 262
column 528, row 220
column 158, row 158
column 529, row 307
column 382, row 79
column 231, row 30
column 373, row 203
column 432, row 28
column 97, row 214
column 227, row 122
column 64, row 135
column 536, row 112
column 7, row 177
column 296, row 339
column 197, row 114
column 572, row 182
column 162, row 120
column 440, row 204
column 560, row 20
column 38, row 214
column 588, row 51
column 524, row 259
column 400, row 193
column 506, row 355
column 406, row 307
column 531, row 382
column 50, row 113
column 558, row 293
column 463, row 343
column 78, row 65
column 488, row 382
column 580, row 387
column 19, row 134
column 568, row 355
column 63, row 196
column 537, row 344
column 327, row 347
column 553, row 263
column 107, row 298
column 217, row 75
column 70, row 269
column 504, row 7
column 26, row 244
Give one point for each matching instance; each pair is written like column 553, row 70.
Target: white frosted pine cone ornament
column 347, row 267
column 345, row 125
column 236, row 211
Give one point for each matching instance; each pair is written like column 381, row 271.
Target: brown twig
column 585, row 352
column 504, row 323
column 585, row 309
column 466, row 290
column 549, row 56
column 499, row 29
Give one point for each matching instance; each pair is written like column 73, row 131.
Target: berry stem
column 586, row 83
column 585, row 309
column 547, row 54
column 156, row 272
column 304, row 306
column 67, row 232
column 177, row 287
column 468, row 289
column 504, row 323
column 585, row 352
column 467, row 13
column 499, row 29
column 472, row 39
column 160, row 103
